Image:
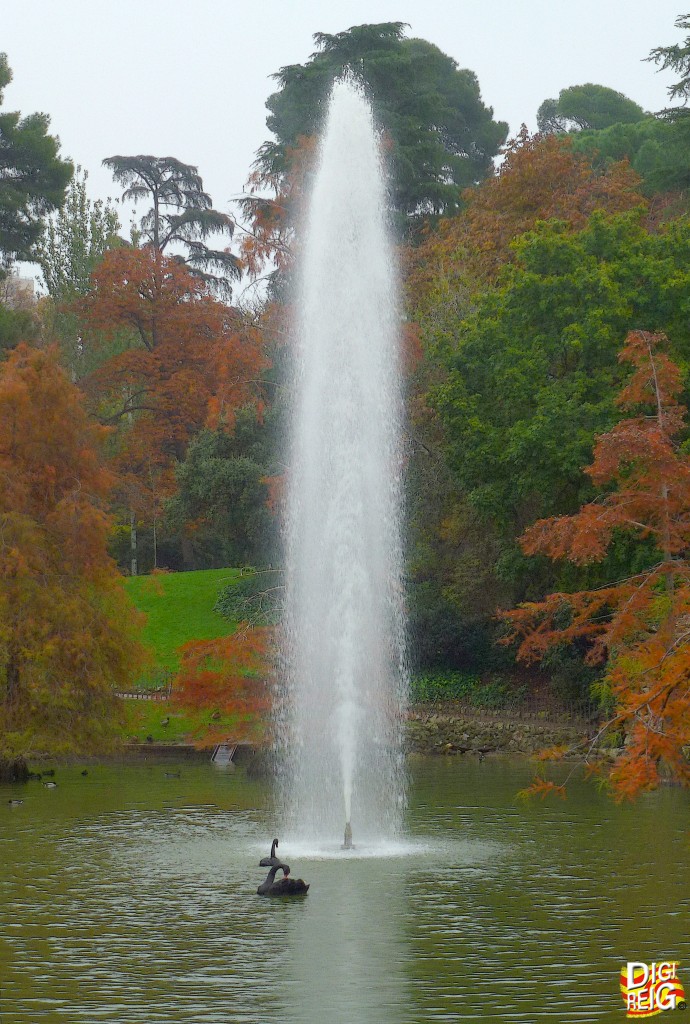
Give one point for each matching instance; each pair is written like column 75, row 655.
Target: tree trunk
column 187, row 552
column 13, row 678
column 133, row 543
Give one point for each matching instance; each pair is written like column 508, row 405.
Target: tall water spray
column 345, row 665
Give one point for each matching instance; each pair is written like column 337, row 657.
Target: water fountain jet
column 347, row 841
column 344, row 657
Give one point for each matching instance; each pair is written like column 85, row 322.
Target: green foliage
column 222, row 495
column 452, row 591
column 648, row 144
column 16, row 325
column 74, row 241
column 676, row 57
column 72, row 244
column 443, row 136
column 179, row 607
column 587, row 106
column 531, row 371
column 571, row 678
column 255, row 598
column 657, row 147
column 32, row 177
column 535, row 369
column 440, row 634
column 438, row 687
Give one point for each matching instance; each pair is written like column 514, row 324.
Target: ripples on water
column 128, row 896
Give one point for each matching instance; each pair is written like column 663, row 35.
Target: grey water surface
column 127, row 896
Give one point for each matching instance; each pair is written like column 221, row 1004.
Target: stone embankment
column 432, row 731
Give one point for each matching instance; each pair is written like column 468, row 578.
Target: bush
column 437, row 687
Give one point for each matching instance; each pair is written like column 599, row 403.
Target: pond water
column 127, row 896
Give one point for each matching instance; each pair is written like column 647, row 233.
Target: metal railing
column 533, row 709
column 155, row 687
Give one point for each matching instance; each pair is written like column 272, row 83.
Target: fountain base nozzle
column 347, row 842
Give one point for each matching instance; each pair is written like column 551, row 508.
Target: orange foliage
column 541, row 178
column 640, row 627
column 66, row 626
column 411, row 347
column 542, row 788
column 227, row 675
column 269, row 238
column 191, row 362
column 276, row 491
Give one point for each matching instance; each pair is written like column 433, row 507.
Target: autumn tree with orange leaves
column 270, row 206
column 228, row 676
column 541, row 178
column 67, row 629
column 638, row 628
column 190, row 362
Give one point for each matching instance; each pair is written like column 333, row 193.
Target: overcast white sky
column 190, row 79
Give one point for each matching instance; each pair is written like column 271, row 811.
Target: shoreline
column 432, row 730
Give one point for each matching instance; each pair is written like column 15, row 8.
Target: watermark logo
column 648, row 989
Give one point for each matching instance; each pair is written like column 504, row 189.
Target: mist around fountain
column 344, row 661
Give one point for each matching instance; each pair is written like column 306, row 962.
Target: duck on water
column 285, row 886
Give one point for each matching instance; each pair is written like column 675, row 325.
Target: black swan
column 286, row 886
column 272, row 861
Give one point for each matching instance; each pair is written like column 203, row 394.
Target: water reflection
column 345, row 946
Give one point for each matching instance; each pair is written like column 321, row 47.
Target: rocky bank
column 445, row 732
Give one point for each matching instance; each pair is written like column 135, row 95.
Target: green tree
column 442, row 136
column 587, row 106
column 657, row 147
column 531, row 375
column 676, row 57
column 73, row 243
column 33, row 178
column 674, row 170
column 16, row 325
column 650, row 145
column 19, row 320
column 222, row 501
column 181, row 214
column 533, row 369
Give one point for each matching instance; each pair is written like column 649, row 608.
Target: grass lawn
column 179, row 607
column 146, row 717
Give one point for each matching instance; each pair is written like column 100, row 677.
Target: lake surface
column 128, row 896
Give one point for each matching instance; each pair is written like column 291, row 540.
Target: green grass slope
column 179, row 607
